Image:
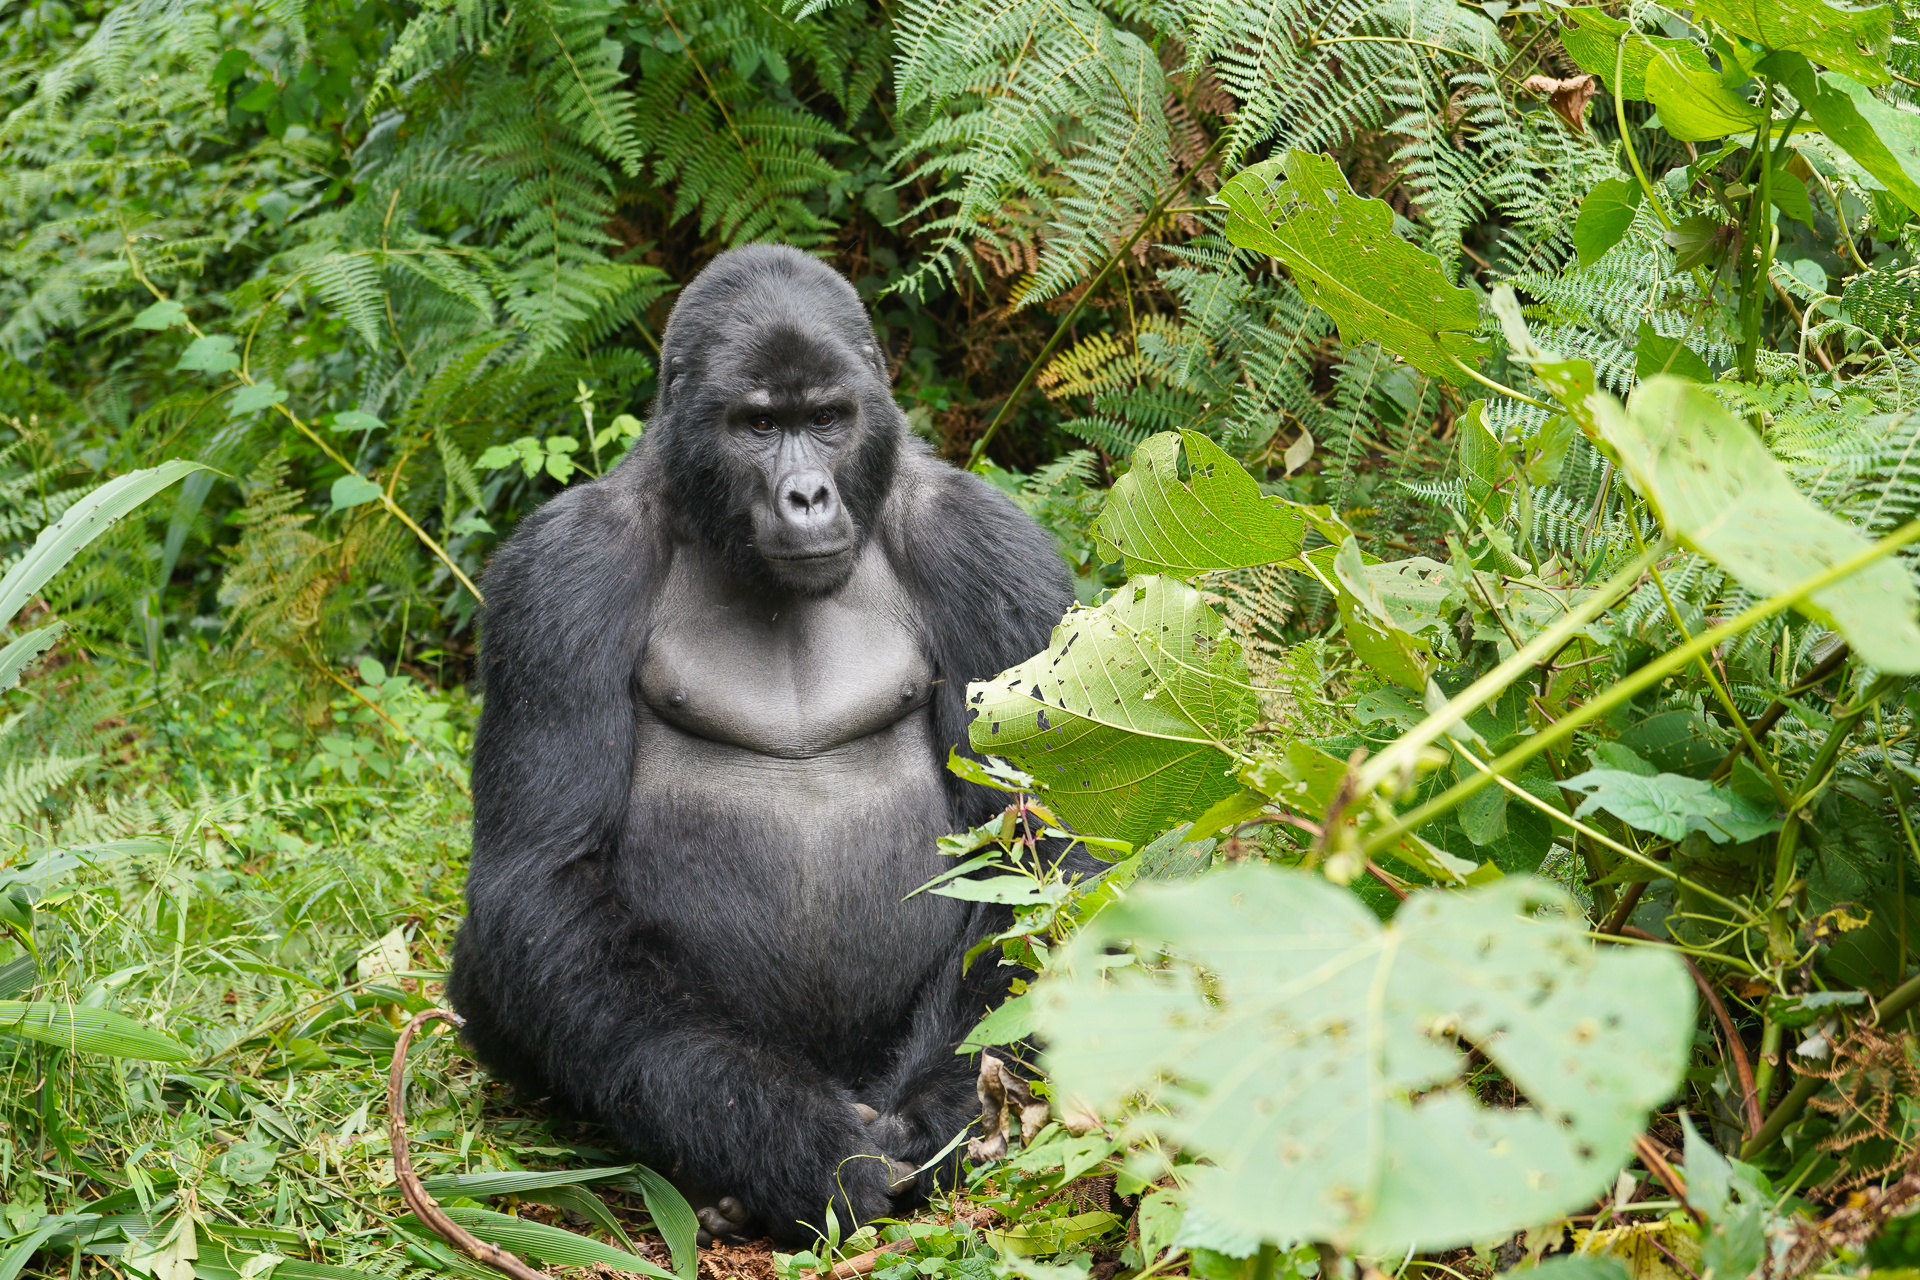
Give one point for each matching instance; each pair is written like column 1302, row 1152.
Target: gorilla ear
column 872, row 353
column 669, row 374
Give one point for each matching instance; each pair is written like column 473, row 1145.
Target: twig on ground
column 1657, row 1164
column 423, row 1205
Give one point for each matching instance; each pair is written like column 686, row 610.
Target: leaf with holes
column 1314, row 1057
column 1721, row 493
column 1853, row 41
column 1217, row 518
column 84, row 521
column 1124, row 719
column 1343, row 254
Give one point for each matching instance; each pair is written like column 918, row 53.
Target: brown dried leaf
column 1568, row 98
column 1000, row 1090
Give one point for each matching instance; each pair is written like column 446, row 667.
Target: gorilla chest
column 787, row 796
column 793, row 678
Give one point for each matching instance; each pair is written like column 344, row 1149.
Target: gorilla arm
column 561, row 994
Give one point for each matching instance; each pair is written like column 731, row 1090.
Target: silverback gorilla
column 721, row 683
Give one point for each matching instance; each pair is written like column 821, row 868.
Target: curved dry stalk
column 424, row 1206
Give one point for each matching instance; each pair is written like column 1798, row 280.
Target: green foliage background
column 396, row 273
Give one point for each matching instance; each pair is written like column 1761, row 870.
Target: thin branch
column 424, row 1206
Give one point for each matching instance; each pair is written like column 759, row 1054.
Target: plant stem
column 1060, row 331
column 1781, row 1116
column 1769, row 1059
column 1501, row 387
column 1401, row 757
column 1626, row 137
column 1646, row 677
column 1759, row 262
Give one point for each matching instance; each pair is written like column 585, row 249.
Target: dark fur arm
column 553, row 757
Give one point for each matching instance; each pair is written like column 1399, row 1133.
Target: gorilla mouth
column 798, row 557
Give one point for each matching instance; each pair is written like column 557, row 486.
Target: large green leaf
column 560, row 1187
column 1854, row 41
column 1124, row 719
column 1593, row 42
column 87, row 1030
column 1884, row 140
column 1215, row 519
column 1343, row 254
column 84, row 521
column 1383, row 610
column 1696, row 106
column 1290, row 1040
column 672, row 1217
column 1721, row 493
column 1606, row 215
column 1672, row 805
column 538, row 1240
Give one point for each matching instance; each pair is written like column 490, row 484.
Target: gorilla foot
column 726, row 1221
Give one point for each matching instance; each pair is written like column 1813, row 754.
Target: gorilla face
column 787, row 433
column 779, row 419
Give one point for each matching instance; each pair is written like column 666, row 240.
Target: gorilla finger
column 733, row 1211
column 714, row 1221
column 866, row 1113
column 703, row 1238
column 902, row 1178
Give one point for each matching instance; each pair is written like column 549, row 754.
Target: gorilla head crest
column 775, row 409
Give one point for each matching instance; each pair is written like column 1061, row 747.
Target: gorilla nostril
column 816, row 502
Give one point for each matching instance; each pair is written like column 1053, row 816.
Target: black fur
column 638, row 971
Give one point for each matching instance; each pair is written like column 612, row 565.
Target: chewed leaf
column 1721, row 493
column 1314, row 1057
column 1123, row 719
column 1854, row 41
column 1343, row 254
column 1215, row 519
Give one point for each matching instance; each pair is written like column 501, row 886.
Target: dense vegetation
column 1486, row 438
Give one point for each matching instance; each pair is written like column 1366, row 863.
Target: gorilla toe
column 726, row 1221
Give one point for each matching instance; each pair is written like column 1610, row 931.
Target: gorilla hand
column 900, row 1175
column 725, row 1220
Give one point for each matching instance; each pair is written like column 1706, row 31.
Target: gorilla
column 721, row 683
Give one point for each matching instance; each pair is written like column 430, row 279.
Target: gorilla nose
column 807, row 498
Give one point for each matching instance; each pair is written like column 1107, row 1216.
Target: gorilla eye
column 825, row 418
column 763, row 424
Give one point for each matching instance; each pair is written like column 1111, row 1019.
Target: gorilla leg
column 928, row 1095
column 560, row 997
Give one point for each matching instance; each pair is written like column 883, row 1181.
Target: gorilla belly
column 782, row 882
